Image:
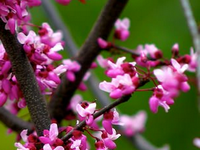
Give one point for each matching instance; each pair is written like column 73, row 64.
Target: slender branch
column 86, row 56
column 142, row 144
column 126, row 50
column 26, row 79
column 195, row 37
column 13, row 122
column 130, row 51
column 191, row 24
column 97, row 114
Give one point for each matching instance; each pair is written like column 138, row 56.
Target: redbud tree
column 56, row 95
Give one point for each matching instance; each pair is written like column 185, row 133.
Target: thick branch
column 13, row 122
column 86, row 56
column 26, row 79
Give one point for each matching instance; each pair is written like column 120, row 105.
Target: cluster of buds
column 14, row 13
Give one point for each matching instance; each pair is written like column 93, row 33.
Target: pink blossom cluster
column 42, row 50
column 171, row 80
column 14, row 12
column 168, row 73
column 124, row 77
column 104, row 138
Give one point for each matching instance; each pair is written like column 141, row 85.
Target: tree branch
column 97, row 114
column 26, row 79
column 13, row 122
column 86, row 56
column 193, row 28
column 142, row 144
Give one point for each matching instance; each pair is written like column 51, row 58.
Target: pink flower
column 48, row 36
column 108, row 139
column 119, row 86
column 86, row 110
column 102, row 62
column 72, row 67
column 175, row 49
column 133, row 124
column 172, row 78
column 103, row 44
column 122, row 27
column 109, row 118
column 78, row 141
column 160, row 98
column 115, row 68
column 50, row 135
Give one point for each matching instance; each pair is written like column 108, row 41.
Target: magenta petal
column 18, row 11
column 89, row 120
column 102, row 43
column 6, row 67
column 70, row 76
column 109, row 143
column 44, row 140
column 107, row 126
column 6, row 85
column 124, row 34
column 154, row 103
column 185, row 87
column 54, row 77
column 128, row 90
column 116, row 94
column 54, row 56
column 11, row 25
column 3, row 98
column 38, row 58
column 82, row 87
column 14, row 92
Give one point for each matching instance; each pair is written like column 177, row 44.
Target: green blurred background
column 157, row 21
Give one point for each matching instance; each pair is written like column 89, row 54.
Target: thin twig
column 97, row 114
column 13, row 122
column 195, row 37
column 26, row 79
